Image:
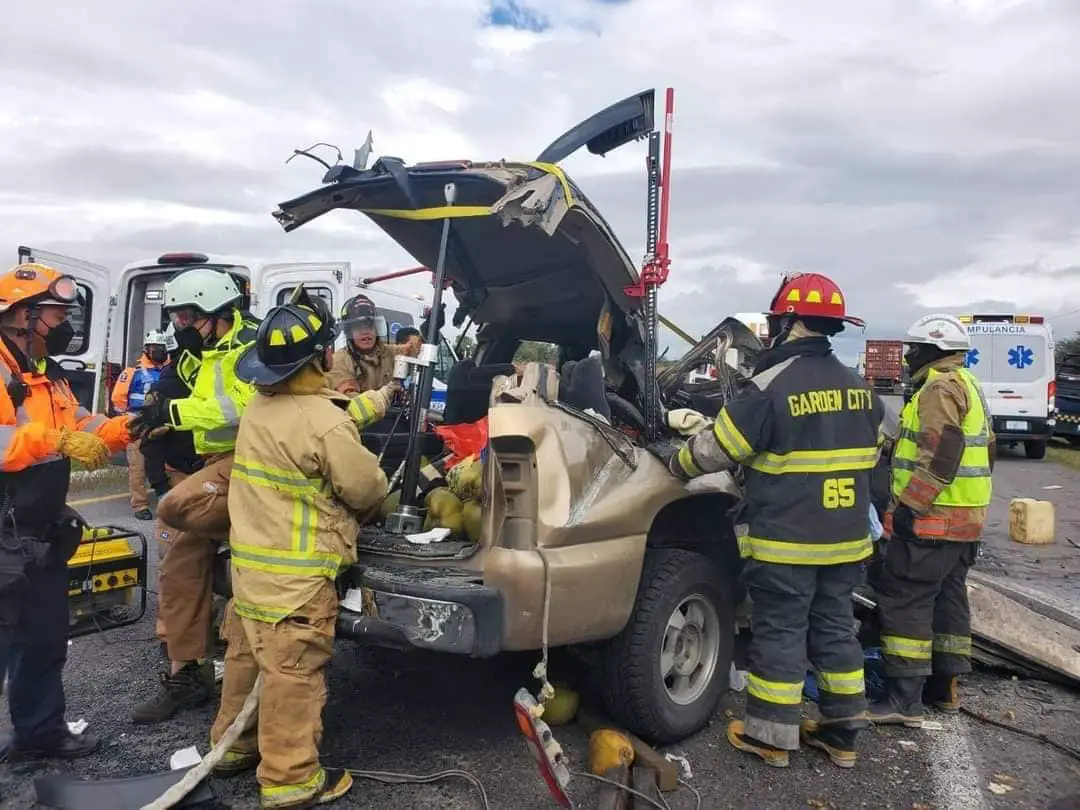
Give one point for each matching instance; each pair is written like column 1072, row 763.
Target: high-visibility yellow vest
column 218, row 397
column 972, row 485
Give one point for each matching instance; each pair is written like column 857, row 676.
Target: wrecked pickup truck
column 586, row 540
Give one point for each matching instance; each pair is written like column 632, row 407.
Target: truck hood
column 528, row 254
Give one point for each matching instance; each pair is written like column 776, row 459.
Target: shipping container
column 884, row 363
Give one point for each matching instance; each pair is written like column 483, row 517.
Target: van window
column 978, row 360
column 1020, row 358
column 395, row 320
column 325, row 293
column 81, row 318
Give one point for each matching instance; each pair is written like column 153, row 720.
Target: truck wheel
column 664, row 673
column 1035, row 449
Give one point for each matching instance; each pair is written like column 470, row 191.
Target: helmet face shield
column 366, row 325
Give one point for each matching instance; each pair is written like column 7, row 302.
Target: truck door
column 1022, row 368
column 84, row 359
column 275, row 282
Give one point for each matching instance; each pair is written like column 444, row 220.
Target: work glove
column 86, row 448
column 382, row 397
column 667, row 450
column 903, row 521
column 440, row 321
column 153, row 414
column 686, row 421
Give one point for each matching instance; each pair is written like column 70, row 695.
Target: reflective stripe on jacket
column 948, row 505
column 806, row 433
column 27, row 444
column 300, row 478
column 218, row 398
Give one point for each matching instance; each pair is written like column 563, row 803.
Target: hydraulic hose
column 174, row 795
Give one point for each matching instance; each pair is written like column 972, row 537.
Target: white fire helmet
column 944, row 331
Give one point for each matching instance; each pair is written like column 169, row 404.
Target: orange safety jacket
column 32, row 473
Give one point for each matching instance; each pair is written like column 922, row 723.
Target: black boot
column 70, row 746
column 191, row 686
column 902, row 704
column 943, row 693
column 838, row 743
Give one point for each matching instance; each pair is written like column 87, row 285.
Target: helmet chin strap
column 786, row 324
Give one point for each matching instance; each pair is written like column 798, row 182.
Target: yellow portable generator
column 106, row 580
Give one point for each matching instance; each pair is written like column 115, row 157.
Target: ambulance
column 117, row 308
column 1013, row 358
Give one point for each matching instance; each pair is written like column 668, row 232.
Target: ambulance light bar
column 1001, row 318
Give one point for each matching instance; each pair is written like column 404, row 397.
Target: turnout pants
column 923, row 607
column 165, row 535
column 137, row 477
column 196, row 514
column 33, row 651
column 802, row 612
column 292, row 656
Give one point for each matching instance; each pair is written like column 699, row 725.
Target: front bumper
column 1023, row 428
column 444, row 610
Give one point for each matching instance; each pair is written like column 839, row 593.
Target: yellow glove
column 686, row 421
column 85, row 448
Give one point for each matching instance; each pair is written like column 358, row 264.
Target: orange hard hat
column 33, row 283
column 811, row 295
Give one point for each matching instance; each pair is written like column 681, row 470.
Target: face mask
column 157, row 355
column 189, row 339
column 59, row 338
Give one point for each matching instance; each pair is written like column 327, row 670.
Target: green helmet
column 289, row 337
column 204, row 288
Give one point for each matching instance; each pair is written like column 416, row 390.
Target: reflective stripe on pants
column 802, row 612
column 923, row 607
column 292, row 656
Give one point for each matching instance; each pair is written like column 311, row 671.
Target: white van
column 117, row 309
column 1013, row 358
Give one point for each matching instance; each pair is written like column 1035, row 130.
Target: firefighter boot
column 736, row 734
column 838, row 743
column 337, row 783
column 902, row 705
column 943, row 693
column 191, row 686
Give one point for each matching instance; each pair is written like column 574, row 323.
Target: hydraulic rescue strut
column 654, row 269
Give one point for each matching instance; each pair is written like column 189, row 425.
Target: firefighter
column 301, row 482
column 128, row 396
column 211, row 332
column 169, row 456
column 806, row 434
column 366, row 363
column 42, row 430
column 941, row 490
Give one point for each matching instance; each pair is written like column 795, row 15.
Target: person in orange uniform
column 43, row 428
column 129, row 396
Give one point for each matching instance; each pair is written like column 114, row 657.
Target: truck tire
column 1035, row 449
column 664, row 673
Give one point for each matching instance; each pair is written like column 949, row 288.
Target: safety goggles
column 62, row 291
column 183, row 317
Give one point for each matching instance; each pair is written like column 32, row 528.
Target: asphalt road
column 424, row 714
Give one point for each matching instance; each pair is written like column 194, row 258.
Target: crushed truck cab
column 586, row 541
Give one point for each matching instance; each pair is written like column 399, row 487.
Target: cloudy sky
column 925, row 153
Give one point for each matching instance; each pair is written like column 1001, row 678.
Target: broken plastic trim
column 621, row 123
column 66, row 792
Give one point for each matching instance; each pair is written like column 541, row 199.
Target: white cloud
column 904, row 146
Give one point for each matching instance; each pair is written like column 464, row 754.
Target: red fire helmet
column 811, row 295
